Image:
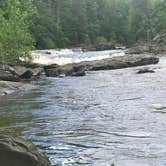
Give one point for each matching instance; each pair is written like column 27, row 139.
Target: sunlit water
column 105, row 117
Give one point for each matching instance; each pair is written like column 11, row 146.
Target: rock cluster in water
column 29, row 71
column 32, row 71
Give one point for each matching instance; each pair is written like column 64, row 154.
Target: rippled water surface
column 105, row 117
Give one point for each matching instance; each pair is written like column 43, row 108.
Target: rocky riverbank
column 13, row 78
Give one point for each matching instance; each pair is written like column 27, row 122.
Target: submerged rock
column 8, row 87
column 145, row 70
column 18, row 152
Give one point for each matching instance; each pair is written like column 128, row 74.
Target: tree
column 139, row 18
column 66, row 23
column 159, row 17
column 15, row 38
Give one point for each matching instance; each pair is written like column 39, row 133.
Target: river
column 106, row 117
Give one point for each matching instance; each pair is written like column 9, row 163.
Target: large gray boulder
column 18, row 152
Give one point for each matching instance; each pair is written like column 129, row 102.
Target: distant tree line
column 63, row 23
column 44, row 24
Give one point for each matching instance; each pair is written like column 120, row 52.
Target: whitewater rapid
column 66, row 56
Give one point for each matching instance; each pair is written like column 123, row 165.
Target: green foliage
column 65, row 23
column 62, row 23
column 159, row 17
column 15, row 38
column 101, row 40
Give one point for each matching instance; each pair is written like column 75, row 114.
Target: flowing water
column 66, row 56
column 106, row 117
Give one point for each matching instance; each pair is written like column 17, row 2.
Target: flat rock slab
column 18, row 152
column 122, row 62
column 105, row 64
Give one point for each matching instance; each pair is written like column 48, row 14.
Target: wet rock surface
column 18, row 152
column 145, row 70
column 79, row 69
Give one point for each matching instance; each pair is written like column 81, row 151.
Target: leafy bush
column 15, row 39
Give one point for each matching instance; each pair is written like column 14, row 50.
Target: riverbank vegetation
column 41, row 24
column 15, row 37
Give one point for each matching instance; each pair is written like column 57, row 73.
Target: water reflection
column 104, row 117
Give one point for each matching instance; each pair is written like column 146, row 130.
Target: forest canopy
column 45, row 24
column 63, row 23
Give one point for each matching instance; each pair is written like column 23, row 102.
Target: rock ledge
column 18, row 152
